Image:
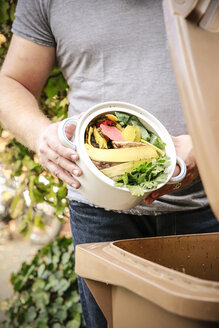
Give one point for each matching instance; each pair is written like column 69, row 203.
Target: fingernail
column 76, row 172
column 74, row 185
column 148, row 201
column 74, row 157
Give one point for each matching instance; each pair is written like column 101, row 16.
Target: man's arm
column 24, row 72
column 23, row 75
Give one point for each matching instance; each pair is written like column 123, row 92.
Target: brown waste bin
column 154, row 282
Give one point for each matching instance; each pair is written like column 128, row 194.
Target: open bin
column 154, row 282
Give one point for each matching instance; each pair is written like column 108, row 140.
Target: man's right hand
column 56, row 158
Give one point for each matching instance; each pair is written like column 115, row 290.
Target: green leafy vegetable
column 156, row 141
column 122, row 117
column 146, row 176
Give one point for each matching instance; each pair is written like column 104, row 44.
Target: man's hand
column 184, row 149
column 56, row 158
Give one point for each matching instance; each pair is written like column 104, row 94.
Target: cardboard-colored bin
column 154, row 282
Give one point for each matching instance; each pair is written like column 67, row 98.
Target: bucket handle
column 61, row 132
column 182, row 174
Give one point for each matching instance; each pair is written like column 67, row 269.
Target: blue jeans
column 90, row 224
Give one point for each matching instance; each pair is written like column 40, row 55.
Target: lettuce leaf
column 156, row 141
column 122, row 117
column 146, row 176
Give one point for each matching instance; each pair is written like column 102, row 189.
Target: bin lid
column 193, row 33
column 114, row 264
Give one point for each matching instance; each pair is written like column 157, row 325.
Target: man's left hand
column 184, row 149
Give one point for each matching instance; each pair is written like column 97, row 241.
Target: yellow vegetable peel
column 99, row 139
column 121, row 169
column 132, row 133
column 121, row 154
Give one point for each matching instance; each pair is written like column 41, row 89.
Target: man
column 107, row 50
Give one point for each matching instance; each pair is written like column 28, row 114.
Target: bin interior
column 195, row 255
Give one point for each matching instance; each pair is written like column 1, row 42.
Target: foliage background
column 21, row 162
column 45, row 290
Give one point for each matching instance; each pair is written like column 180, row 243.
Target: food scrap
column 123, row 149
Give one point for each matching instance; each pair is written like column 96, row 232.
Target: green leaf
column 17, row 207
column 61, row 314
column 122, row 117
column 12, row 11
column 41, row 269
column 146, row 176
column 64, row 102
column 31, row 188
column 4, row 6
column 25, row 227
column 76, row 308
column 38, row 222
column 57, row 325
column 74, row 298
column 29, row 214
column 52, row 283
column 63, row 285
column 156, row 141
column 31, row 314
column 73, row 324
column 62, row 192
column 38, row 196
column 58, row 300
column 25, row 297
column 18, row 283
column 38, row 284
column 65, row 258
column 55, row 85
column 29, row 163
column 136, row 190
column 41, row 299
column 17, row 165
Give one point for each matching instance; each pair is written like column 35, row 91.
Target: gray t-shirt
column 113, row 50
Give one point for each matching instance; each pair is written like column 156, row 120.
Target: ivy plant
column 45, row 290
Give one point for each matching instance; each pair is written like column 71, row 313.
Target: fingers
column 56, row 158
column 58, row 148
column 169, row 188
column 69, row 131
column 62, row 174
column 63, row 162
column 176, row 171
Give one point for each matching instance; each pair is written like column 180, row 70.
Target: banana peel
column 99, row 139
column 111, row 117
column 90, row 132
column 121, row 154
column 121, row 169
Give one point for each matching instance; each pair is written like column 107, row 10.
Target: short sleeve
column 32, row 22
